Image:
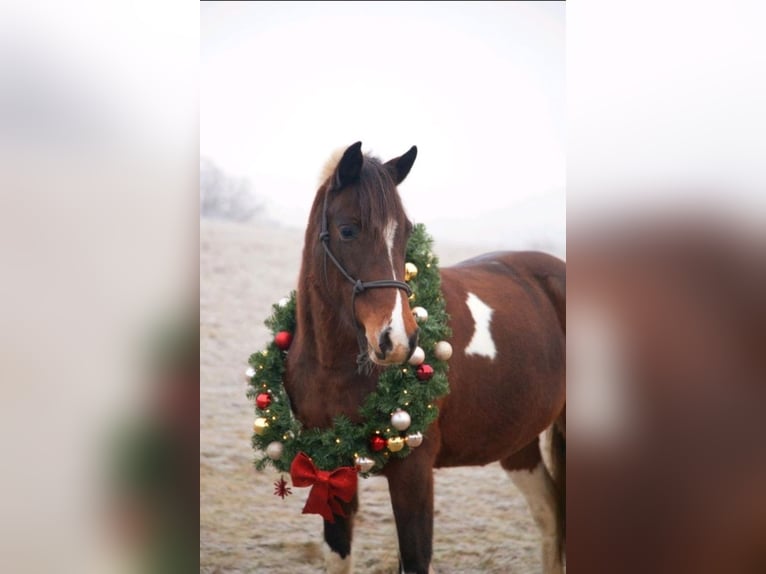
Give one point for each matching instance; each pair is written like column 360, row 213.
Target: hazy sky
column 478, row 87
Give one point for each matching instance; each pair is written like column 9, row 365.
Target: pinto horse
column 506, row 375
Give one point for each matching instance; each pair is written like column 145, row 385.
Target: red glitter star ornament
column 281, row 489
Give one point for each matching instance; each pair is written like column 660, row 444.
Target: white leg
column 539, row 491
column 334, row 564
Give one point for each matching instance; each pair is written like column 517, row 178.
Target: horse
column 506, row 375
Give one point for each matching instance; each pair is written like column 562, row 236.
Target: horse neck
column 322, row 336
column 322, row 378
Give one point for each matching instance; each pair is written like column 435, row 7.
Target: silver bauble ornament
column 443, row 350
column 363, row 464
column 414, row 439
column 400, row 420
column 274, row 450
column 417, row 357
column 421, row 315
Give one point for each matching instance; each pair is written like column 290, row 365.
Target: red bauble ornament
column 263, row 400
column 283, row 340
column 424, row 372
column 378, row 443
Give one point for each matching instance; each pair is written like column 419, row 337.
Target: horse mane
column 376, row 190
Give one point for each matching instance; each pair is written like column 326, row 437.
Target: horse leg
column 411, row 484
column 530, row 475
column 338, row 537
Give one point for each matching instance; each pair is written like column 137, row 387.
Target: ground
column 481, row 521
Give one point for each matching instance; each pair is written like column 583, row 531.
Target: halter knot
column 358, row 286
column 324, row 235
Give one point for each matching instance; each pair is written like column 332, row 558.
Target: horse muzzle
column 393, row 348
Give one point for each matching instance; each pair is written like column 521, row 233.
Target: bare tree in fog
column 225, row 197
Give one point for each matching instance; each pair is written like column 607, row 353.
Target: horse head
column 359, row 232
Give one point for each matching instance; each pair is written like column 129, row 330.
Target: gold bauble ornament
column 395, row 444
column 443, row 350
column 260, row 425
column 414, row 439
column 410, row 271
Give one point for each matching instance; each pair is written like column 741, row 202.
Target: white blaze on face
column 481, row 342
column 398, row 332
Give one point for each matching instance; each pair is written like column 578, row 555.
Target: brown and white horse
column 506, row 375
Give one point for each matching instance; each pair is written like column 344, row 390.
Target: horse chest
column 319, row 395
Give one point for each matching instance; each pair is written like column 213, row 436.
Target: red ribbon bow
column 327, row 486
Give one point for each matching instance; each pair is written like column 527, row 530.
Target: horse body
column 500, row 401
column 506, row 374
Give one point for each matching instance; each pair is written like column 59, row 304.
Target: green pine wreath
column 278, row 437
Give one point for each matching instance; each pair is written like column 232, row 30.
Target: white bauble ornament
column 249, row 373
column 421, row 315
column 283, row 302
column 443, row 350
column 274, row 450
column 363, row 464
column 414, row 439
column 417, row 357
column 400, row 420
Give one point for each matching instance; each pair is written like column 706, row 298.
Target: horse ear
column 349, row 166
column 400, row 166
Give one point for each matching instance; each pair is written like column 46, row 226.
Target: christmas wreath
column 395, row 417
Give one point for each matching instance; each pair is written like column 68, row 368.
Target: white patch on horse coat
column 398, row 331
column 334, row 564
column 481, row 342
column 539, row 491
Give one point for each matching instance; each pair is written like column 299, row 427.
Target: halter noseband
column 359, row 285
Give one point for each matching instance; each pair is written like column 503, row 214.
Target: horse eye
column 348, row 231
